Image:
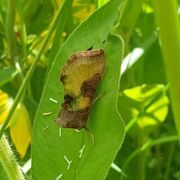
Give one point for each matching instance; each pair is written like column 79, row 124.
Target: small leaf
column 102, row 2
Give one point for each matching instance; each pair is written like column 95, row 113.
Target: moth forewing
column 80, row 77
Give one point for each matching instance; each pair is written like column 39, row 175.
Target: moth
column 80, row 77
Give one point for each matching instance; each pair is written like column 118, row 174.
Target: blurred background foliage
column 143, row 100
column 30, row 21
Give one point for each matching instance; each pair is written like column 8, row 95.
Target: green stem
column 29, row 74
column 9, row 28
column 9, row 162
column 130, row 124
column 168, row 21
column 169, row 161
column 140, row 168
column 22, row 28
column 141, row 158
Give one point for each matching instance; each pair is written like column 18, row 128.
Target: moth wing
column 81, row 67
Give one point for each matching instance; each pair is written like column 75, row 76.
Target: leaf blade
column 58, row 148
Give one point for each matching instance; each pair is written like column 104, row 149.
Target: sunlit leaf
column 102, row 2
column 84, row 12
column 147, row 103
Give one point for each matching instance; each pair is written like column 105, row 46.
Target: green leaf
column 37, row 82
column 7, row 75
column 37, row 15
column 49, row 149
column 153, row 62
column 147, row 105
column 61, row 24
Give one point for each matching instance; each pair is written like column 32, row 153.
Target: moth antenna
column 92, row 137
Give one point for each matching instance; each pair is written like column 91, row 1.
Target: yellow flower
column 19, row 126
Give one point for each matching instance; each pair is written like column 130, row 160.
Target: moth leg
column 92, row 137
column 97, row 97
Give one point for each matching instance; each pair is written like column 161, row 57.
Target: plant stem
column 9, row 162
column 130, row 124
column 9, row 29
column 141, row 158
column 29, row 74
column 22, row 28
column 168, row 21
column 169, row 161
